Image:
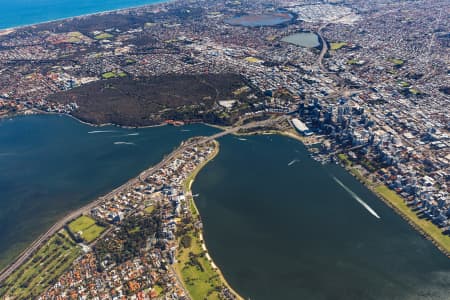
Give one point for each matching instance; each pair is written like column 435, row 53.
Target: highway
column 324, row 47
column 27, row 253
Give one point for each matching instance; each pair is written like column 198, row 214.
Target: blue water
column 50, row 165
column 25, row 12
column 278, row 230
column 290, row 231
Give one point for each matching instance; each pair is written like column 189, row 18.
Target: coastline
column 9, row 30
column 98, row 125
column 28, row 255
column 187, row 185
column 28, row 252
column 195, row 212
column 372, row 186
column 442, row 248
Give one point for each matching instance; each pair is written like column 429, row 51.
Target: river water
column 280, row 226
column 277, row 223
column 52, row 164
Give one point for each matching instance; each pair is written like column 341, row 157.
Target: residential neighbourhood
column 373, row 95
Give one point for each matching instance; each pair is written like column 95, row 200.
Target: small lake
column 303, row 39
column 260, row 20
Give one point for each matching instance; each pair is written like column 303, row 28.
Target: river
column 50, row 165
column 280, row 226
column 277, row 223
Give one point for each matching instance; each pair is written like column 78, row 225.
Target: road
column 342, row 91
column 22, row 258
column 324, row 47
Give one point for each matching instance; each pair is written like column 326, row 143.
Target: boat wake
column 356, row 197
column 101, row 131
column 185, row 130
column 7, row 154
column 242, row 139
column 293, row 162
column 124, row 143
column 196, row 195
column 133, row 134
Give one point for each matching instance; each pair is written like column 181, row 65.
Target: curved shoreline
column 70, row 18
column 39, row 112
column 386, row 201
column 192, row 176
column 189, row 181
column 268, row 132
column 397, row 210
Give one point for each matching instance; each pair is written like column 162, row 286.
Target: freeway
column 324, row 47
column 27, row 253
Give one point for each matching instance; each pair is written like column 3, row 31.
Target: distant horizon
column 21, row 13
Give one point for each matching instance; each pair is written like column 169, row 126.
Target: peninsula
column 154, row 211
column 142, row 231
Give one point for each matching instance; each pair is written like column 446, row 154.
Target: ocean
column 25, row 12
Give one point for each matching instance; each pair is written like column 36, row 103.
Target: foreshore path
column 22, row 258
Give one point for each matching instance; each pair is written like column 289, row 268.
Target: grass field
column 432, row 230
column 344, row 159
column 158, row 289
column 354, row 62
column 103, row 36
column 397, row 61
column 414, row 91
column 360, row 177
column 108, row 75
column 337, row 46
column 252, row 59
column 149, row 209
column 92, row 233
column 47, row 264
column 75, row 37
column 198, row 275
column 405, row 84
column 81, row 223
column 87, row 227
